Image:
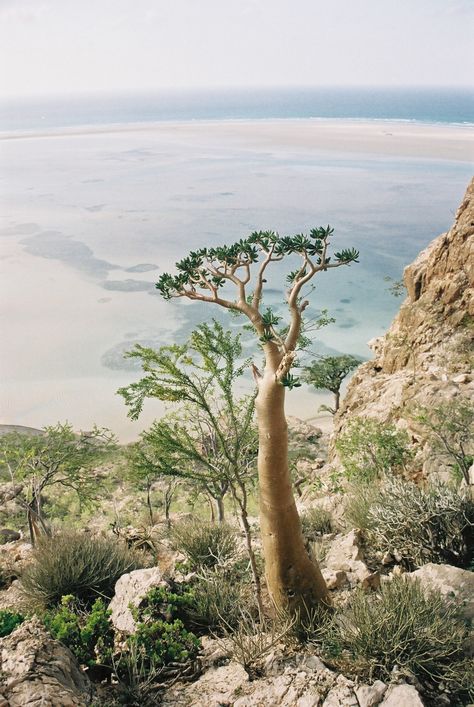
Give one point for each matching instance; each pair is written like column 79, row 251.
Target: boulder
column 38, row 671
column 345, row 555
column 371, row 695
column 402, row 696
column 9, row 536
column 215, row 688
column 130, row 590
column 456, row 584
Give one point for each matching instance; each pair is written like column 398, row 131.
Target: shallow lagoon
column 90, row 220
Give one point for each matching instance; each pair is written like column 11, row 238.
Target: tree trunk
column 148, row 503
column 220, row 509
column 337, row 400
column 295, row 583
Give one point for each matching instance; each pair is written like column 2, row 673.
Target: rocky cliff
column 427, row 355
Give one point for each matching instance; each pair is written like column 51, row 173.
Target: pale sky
column 57, row 46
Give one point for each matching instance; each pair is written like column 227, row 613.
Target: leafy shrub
column 205, row 544
column 161, row 637
column 421, row 525
column 9, row 621
column 83, row 565
column 370, row 449
column 399, row 626
column 88, row 634
column 316, row 521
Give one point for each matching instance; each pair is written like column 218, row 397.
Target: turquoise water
column 89, row 221
column 438, row 105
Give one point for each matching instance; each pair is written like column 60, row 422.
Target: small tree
column 328, row 374
column 57, row 457
column 211, row 440
column 223, row 276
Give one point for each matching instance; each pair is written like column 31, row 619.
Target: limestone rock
column 38, row 671
column 454, row 583
column 335, row 579
column 371, row 695
column 402, row 696
column 216, row 687
column 130, row 589
column 343, row 551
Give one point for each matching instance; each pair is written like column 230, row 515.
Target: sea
column 100, row 194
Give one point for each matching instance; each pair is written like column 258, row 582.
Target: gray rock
column 456, row 584
column 9, row 536
column 402, row 696
column 130, row 590
column 371, row 695
column 38, row 671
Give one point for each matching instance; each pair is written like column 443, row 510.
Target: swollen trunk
column 294, row 581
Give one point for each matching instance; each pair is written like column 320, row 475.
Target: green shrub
column 9, row 621
column 316, row 521
column 205, row 544
column 421, row 525
column 80, row 564
column 399, row 626
column 161, row 638
column 370, row 449
column 88, row 634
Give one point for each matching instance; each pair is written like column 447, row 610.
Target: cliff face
column 427, row 354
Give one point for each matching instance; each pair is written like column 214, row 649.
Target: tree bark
column 295, row 583
column 220, row 509
column 337, row 400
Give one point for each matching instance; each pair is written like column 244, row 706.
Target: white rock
column 371, row 695
column 344, row 550
column 334, row 578
column 130, row 589
column 456, row 584
column 402, row 696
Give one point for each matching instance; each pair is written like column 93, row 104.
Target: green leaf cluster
column 9, row 621
column 88, row 634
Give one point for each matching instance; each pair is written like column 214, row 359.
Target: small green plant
column 205, row 544
column 420, row 525
column 161, row 638
column 76, row 563
column 370, row 449
column 9, row 621
column 87, row 633
column 400, row 626
column 328, row 373
column 315, row 522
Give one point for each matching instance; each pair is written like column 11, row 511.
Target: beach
column 91, row 217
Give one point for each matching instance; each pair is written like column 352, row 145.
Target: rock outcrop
column 37, row 671
column 427, row 354
column 129, row 591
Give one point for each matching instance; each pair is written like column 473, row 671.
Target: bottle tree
column 208, row 275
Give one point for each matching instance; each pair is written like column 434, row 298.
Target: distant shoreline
column 384, row 137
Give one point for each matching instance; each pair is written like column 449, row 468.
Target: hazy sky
column 50, row 46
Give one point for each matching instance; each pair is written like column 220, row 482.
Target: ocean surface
column 89, row 220
column 443, row 105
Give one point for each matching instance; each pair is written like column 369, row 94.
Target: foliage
column 205, row 544
column 76, row 563
column 161, row 638
column 450, row 431
column 211, row 439
column 57, row 457
column 370, row 449
column 9, row 621
column 329, row 372
column 399, row 626
column 419, row 525
column 87, row 633
column 316, row 521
